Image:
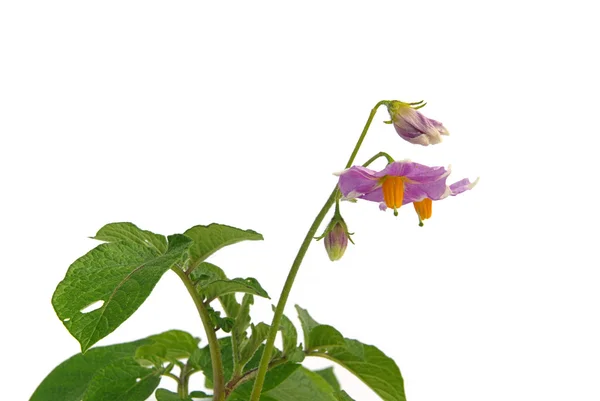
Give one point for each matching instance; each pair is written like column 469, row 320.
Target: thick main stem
column 213, row 342
column 289, row 282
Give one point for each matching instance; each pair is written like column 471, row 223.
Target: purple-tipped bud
column 413, row 126
column 336, row 241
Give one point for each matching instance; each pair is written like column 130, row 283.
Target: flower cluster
column 400, row 182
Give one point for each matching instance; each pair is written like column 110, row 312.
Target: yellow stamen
column 423, row 208
column 393, row 192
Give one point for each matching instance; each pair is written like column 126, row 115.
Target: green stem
column 213, row 343
column 289, row 282
column 389, row 158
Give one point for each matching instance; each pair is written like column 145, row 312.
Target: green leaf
column 289, row 337
column 323, row 337
column 242, row 320
column 218, row 288
column 249, row 347
column 197, row 356
column 118, row 277
column 366, row 362
column 130, row 233
column 307, row 322
column 123, row 380
column 151, row 354
column 211, row 238
column 370, row 365
column 166, row 395
column 303, row 385
column 343, row 396
column 169, row 346
column 201, row 360
column 199, row 394
column 178, row 344
column 206, row 273
column 68, row 381
column 318, row 336
column 329, row 377
column 273, row 379
column 289, row 382
column 205, row 362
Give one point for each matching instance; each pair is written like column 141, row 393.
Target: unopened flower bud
column 413, row 126
column 336, row 240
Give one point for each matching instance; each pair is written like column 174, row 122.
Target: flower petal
column 461, row 186
column 357, row 181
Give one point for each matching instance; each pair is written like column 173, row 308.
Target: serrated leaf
column 366, row 362
column 211, row 238
column 123, row 380
column 162, row 394
column 249, row 347
column 119, row 276
column 68, row 381
column 329, row 377
column 130, row 233
column 218, row 288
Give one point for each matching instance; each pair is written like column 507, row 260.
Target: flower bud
column 414, row 127
column 336, row 240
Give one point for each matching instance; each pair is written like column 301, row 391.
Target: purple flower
column 413, row 126
column 399, row 183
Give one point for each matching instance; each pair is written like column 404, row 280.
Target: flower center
column 423, row 208
column 393, row 192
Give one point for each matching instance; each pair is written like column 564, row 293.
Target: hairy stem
column 289, row 282
column 213, row 343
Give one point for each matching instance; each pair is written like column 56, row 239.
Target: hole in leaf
column 137, row 380
column 66, row 320
column 92, row 307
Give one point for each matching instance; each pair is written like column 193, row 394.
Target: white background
column 172, row 114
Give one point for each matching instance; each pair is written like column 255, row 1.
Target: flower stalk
column 285, row 292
